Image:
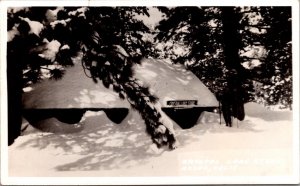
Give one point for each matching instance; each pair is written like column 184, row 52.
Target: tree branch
column 245, row 58
column 248, row 11
column 259, row 26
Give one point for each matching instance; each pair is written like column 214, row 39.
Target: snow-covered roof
column 167, row 81
column 74, row 90
column 171, row 82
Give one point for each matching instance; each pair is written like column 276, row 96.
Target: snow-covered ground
column 261, row 145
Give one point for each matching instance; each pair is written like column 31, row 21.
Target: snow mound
column 256, row 110
column 256, row 147
column 52, row 125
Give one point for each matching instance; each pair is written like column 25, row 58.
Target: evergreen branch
column 159, row 128
column 245, row 58
column 258, row 26
column 45, row 68
column 249, row 11
column 160, row 133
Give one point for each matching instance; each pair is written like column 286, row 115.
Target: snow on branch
column 35, row 26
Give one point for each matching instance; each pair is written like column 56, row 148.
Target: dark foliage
column 107, row 60
column 219, row 39
column 102, row 35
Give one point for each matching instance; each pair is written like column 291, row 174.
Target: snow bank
column 256, row 146
column 259, row 111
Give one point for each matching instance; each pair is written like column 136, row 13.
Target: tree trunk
column 233, row 95
column 231, row 38
column 14, row 98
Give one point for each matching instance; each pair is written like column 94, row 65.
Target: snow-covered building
column 182, row 96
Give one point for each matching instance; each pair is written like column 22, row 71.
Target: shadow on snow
column 106, row 146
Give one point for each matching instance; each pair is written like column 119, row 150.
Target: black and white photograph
column 149, row 94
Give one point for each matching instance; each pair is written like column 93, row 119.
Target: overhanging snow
column 75, row 90
column 173, row 82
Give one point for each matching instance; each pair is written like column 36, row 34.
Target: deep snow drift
column 75, row 90
column 261, row 145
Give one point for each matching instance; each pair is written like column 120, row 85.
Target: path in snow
column 259, row 145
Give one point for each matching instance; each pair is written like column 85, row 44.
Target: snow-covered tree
column 254, row 41
column 42, row 41
column 275, row 72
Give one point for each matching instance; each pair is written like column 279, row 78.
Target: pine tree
column 221, row 39
column 277, row 83
column 101, row 34
column 109, row 62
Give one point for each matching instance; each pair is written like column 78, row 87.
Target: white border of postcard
column 292, row 179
